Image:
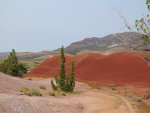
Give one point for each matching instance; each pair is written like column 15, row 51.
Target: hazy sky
column 35, row 25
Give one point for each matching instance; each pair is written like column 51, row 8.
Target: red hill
column 121, row 67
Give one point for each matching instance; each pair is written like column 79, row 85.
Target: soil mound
column 121, row 67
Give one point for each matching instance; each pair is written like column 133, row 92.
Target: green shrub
column 130, row 95
column 114, row 89
column 12, row 66
column 112, row 85
column 147, row 96
column 99, row 88
column 52, row 94
column 30, row 92
column 149, row 65
column 42, row 87
column 24, row 90
column 64, row 82
column 35, row 92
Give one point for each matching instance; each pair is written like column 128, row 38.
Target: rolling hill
column 120, row 67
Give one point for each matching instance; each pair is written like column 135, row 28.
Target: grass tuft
column 76, row 92
column 35, row 92
column 42, row 87
column 52, row 94
column 24, row 90
column 111, row 85
column 30, row 92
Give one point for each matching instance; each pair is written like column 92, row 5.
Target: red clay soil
column 121, row 67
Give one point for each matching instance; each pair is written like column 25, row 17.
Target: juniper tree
column 62, row 70
column 72, row 79
column 12, row 66
column 64, row 82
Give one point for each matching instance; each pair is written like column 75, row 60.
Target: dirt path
column 96, row 102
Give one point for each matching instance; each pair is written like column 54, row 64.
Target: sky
column 36, row 25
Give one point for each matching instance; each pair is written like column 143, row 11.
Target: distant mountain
column 110, row 43
column 106, row 45
column 4, row 53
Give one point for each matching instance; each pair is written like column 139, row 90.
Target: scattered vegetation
column 35, row 92
column 111, row 85
column 30, row 92
column 42, row 87
column 64, row 94
column 144, row 108
column 114, row 89
column 24, row 90
column 146, row 96
column 149, row 64
column 76, row 92
column 29, row 79
column 52, row 94
column 99, row 88
column 64, row 82
column 12, row 66
column 130, row 95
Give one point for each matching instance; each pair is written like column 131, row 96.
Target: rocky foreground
column 88, row 101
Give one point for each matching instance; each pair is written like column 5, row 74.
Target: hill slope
column 121, row 67
column 108, row 43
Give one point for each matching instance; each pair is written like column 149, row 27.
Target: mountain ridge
column 112, row 42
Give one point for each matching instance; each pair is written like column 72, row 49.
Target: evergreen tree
column 11, row 66
column 64, row 82
column 62, row 70
column 72, row 79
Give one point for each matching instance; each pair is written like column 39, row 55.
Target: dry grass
column 111, row 85
column 144, row 108
column 30, row 92
column 52, row 93
column 42, row 87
